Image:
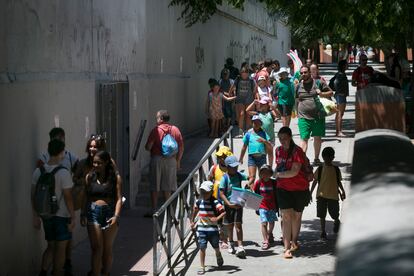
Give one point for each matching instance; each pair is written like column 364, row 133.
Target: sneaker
column 241, row 253
column 220, row 260
column 323, row 236
column 231, row 249
column 337, row 223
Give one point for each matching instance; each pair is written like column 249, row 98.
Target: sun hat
column 231, row 161
column 224, row 151
column 207, row 186
column 282, row 70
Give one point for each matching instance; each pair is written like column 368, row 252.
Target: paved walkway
column 133, row 246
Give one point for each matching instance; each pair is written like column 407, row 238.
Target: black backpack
column 44, row 200
column 332, row 82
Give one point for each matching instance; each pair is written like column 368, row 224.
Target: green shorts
column 308, row 128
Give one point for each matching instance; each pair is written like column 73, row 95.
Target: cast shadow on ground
column 231, row 269
column 259, row 253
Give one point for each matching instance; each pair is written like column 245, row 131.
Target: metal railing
column 172, row 230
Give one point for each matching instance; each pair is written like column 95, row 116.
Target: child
column 262, row 90
column 216, row 174
column 214, row 107
column 234, row 213
column 266, row 187
column 209, row 212
column 225, row 86
column 329, row 178
column 257, row 142
column 267, row 115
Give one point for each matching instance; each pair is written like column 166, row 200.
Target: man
column 58, row 228
column 163, row 169
column 309, row 62
column 363, row 74
column 234, row 72
column 70, row 162
column 310, row 121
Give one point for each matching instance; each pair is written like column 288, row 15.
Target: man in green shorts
column 311, row 122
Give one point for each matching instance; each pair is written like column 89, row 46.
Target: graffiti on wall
column 199, row 54
column 251, row 51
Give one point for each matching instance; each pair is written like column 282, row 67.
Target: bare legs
column 286, row 121
column 243, row 119
column 338, row 119
column 239, row 233
column 317, row 143
column 290, row 228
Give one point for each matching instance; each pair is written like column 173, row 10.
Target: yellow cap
column 224, row 151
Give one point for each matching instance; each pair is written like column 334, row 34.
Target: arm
column 290, row 173
column 251, row 108
column 314, row 183
column 215, row 219
column 118, row 205
column 242, row 153
column 226, row 201
column 84, row 204
column 67, row 194
column 269, row 151
column 228, row 99
column 341, row 191
column 354, row 80
column 193, row 216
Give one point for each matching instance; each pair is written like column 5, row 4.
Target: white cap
column 207, row 186
column 283, row 70
column 261, row 78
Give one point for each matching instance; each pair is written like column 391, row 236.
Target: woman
column 94, row 144
column 341, row 92
column 102, row 211
column 292, row 189
column 244, row 88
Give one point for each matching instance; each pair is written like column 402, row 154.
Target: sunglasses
column 97, row 137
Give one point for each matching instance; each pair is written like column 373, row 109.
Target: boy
column 209, row 212
column 234, row 213
column 215, row 175
column 266, row 187
column 329, row 178
column 58, row 228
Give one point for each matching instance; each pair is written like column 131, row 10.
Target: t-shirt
column 362, row 76
column 63, row 180
column 285, row 92
column 306, row 93
column 226, row 84
column 227, row 182
column 69, row 160
column 341, row 84
column 267, row 191
column 328, row 186
column 283, row 163
column 245, row 89
column 158, row 133
column 251, row 140
column 218, row 175
column 207, row 209
column 268, row 125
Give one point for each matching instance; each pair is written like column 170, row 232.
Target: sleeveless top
column 101, row 190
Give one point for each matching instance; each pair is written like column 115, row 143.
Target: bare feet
column 287, row 254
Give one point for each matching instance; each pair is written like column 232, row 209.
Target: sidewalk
column 133, row 246
column 315, row 257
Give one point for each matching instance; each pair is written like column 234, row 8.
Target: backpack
column 332, row 83
column 169, row 146
column 338, row 173
column 44, row 200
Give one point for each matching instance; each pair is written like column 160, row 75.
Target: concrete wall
column 54, row 53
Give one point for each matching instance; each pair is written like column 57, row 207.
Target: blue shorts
column 208, row 236
column 267, row 215
column 56, row 229
column 256, row 160
column 340, row 99
column 99, row 215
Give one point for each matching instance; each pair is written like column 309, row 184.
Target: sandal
column 201, row 271
column 265, row 245
column 287, row 254
column 294, row 247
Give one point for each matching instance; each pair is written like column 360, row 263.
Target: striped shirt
column 208, row 209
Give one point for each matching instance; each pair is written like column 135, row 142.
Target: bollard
column 377, row 234
column 379, row 106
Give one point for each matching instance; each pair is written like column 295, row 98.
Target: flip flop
column 201, row 271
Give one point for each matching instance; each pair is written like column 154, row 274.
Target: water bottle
column 53, row 205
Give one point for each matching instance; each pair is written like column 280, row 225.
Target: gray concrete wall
column 54, row 53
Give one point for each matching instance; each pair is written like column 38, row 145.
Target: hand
column 71, row 225
column 36, row 222
column 112, row 221
column 83, row 221
column 261, row 140
column 214, row 219
column 178, row 164
column 234, row 206
column 241, row 161
column 193, row 225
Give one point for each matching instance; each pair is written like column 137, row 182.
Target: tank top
column 263, row 92
column 101, row 190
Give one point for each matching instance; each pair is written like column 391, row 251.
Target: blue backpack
column 169, row 146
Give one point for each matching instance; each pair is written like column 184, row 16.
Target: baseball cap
column 266, row 167
column 231, row 161
column 256, row 118
column 282, row 70
column 207, row 186
column 261, row 78
column 224, row 151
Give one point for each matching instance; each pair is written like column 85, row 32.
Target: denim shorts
column 56, row 229
column 100, row 214
column 208, row 236
column 340, row 99
column 256, row 160
column 267, row 215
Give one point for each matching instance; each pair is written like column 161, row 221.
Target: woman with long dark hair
column 292, row 188
column 341, row 92
column 102, row 210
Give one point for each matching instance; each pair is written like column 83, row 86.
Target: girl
column 102, row 211
column 267, row 116
column 341, row 92
column 261, row 89
column 292, row 189
column 214, row 108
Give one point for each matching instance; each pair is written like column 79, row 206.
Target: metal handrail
column 176, row 219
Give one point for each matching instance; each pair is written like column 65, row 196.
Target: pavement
column 133, row 245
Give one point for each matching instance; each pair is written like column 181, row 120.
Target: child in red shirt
column 266, row 187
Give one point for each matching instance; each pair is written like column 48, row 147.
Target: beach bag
column 44, row 200
column 169, row 146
